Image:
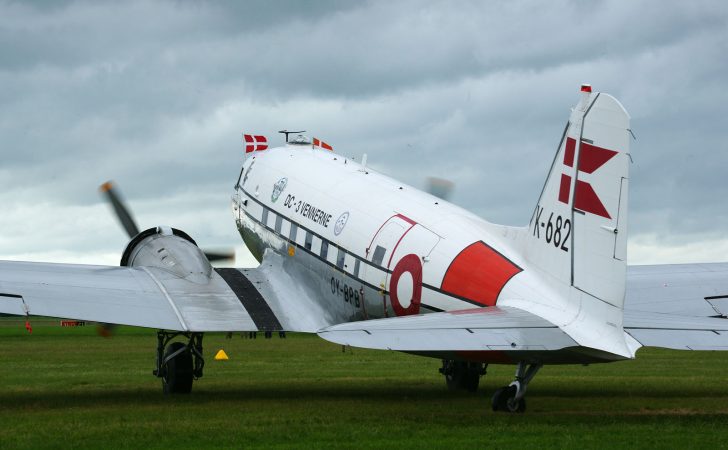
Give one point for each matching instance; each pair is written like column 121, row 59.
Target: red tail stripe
column 592, row 157
column 587, row 200
column 565, row 188
column 569, row 152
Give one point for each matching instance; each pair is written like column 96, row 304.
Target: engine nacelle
column 169, row 249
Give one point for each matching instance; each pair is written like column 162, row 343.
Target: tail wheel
column 178, row 369
column 504, row 399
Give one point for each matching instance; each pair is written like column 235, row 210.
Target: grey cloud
column 155, row 95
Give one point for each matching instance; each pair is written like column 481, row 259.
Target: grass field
column 69, row 388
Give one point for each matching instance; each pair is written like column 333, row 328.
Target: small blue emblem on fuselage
column 278, row 189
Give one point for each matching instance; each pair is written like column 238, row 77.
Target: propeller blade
column 122, row 212
column 440, row 187
column 225, row 255
column 127, row 222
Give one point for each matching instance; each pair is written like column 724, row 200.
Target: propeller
column 122, row 213
column 440, row 187
column 127, row 221
column 225, row 255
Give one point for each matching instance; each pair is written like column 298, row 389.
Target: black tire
column 177, row 377
column 452, row 375
column 521, row 406
column 471, row 380
column 460, row 375
column 499, row 399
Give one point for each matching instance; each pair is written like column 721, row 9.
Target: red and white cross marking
column 255, row 143
column 319, row 143
column 591, row 158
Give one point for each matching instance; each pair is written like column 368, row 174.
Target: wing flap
column 495, row 328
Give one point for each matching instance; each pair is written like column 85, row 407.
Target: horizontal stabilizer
column 677, row 332
column 681, row 289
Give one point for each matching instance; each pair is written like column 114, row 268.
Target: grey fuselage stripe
column 252, row 301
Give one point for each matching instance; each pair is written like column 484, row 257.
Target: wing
column 229, row 300
column 494, row 328
column 683, row 289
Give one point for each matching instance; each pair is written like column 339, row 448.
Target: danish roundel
column 405, row 286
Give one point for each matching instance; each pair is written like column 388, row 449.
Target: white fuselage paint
column 349, row 228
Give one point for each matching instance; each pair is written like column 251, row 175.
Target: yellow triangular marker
column 221, row 355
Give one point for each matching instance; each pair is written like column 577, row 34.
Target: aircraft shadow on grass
column 26, row 400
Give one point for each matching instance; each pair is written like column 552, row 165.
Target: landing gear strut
column 178, row 364
column 462, row 375
column 511, row 398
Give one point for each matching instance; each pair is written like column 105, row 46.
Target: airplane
column 364, row 260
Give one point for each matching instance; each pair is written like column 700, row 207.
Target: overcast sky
column 155, row 95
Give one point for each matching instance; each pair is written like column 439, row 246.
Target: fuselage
column 395, row 249
column 371, row 247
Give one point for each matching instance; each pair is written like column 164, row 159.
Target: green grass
column 70, row 388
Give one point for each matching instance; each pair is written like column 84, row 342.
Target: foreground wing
column 230, row 300
column 496, row 328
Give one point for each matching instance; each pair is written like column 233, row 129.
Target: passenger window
column 292, row 235
column 340, row 258
column 309, row 239
column 379, row 255
column 324, row 249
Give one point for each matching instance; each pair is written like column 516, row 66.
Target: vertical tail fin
column 578, row 232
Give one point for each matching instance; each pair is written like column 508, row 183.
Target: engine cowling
column 169, row 249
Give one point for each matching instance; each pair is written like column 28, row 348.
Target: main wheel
column 471, row 379
column 177, row 377
column 460, row 375
column 452, row 375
